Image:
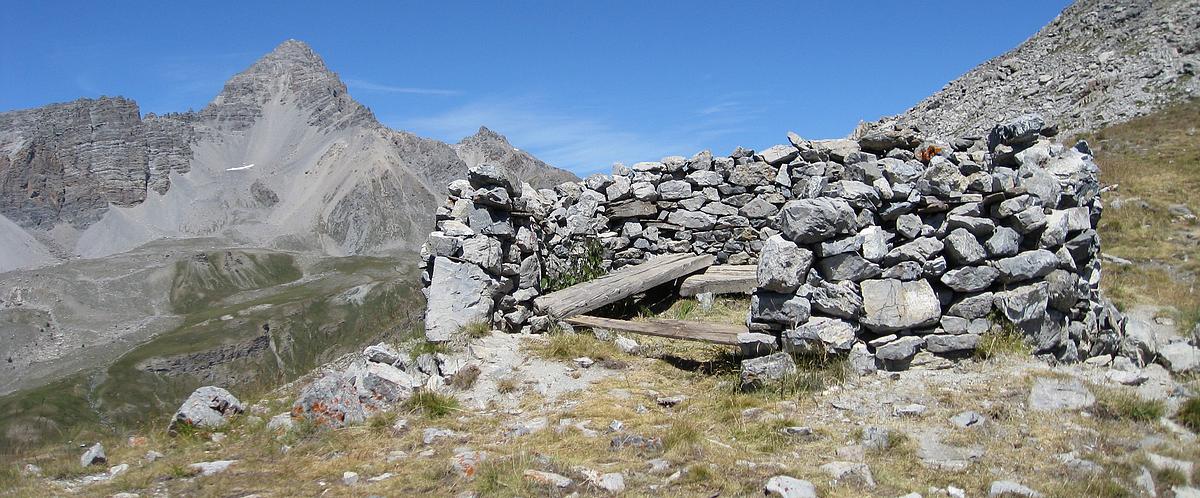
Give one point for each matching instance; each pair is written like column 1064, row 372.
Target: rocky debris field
column 535, row 419
column 1099, row 62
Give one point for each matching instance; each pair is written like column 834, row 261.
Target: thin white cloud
column 372, row 86
column 582, row 141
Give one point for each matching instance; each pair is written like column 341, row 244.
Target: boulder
column 674, row 190
column 331, row 401
column 899, row 350
column 890, row 305
column 93, row 456
column 1003, row 242
column 382, row 353
column 861, row 360
column 1027, row 265
column 1051, row 394
column 782, row 265
column 1017, row 132
column 963, row 248
column 779, row 154
column 459, row 294
column 483, row 251
column 821, row 333
column 847, row 266
column 1179, row 357
column 789, row 487
column 388, row 383
column 752, row 174
column 766, row 369
column 947, row 343
column 753, row 344
column 488, row 174
column 806, row 221
column 971, row 278
column 695, row 220
column 207, row 407
column 849, row 473
column 758, row 208
column 785, row 309
column 919, row 250
column 1010, row 489
column 840, row 299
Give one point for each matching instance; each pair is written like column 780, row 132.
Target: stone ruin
column 880, row 247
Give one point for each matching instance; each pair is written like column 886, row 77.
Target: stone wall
column 884, row 246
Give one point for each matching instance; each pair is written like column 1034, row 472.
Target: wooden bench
column 587, row 296
column 722, row 279
column 716, row 333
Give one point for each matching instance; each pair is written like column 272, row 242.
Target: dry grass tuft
column 1189, row 414
column 568, row 346
column 465, row 377
column 1122, row 404
column 476, row 330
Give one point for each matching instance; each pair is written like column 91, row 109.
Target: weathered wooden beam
column 627, row 281
column 716, row 333
column 722, row 279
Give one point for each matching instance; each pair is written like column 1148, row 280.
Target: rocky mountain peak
column 291, row 74
column 486, row 134
column 487, row 146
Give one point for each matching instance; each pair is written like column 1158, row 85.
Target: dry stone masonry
column 880, row 248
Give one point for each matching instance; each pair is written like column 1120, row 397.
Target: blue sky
column 579, row 84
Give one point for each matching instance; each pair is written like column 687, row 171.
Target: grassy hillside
column 251, row 345
column 203, row 280
column 1154, row 162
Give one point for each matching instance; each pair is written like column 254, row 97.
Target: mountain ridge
column 282, row 157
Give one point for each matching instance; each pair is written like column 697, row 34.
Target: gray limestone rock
column 951, row 343
column 1052, row 394
column 963, row 248
column 1027, row 265
column 861, row 360
column 331, row 401
column 847, row 266
column 757, row 372
column 1003, row 242
column 753, row 344
column 207, row 407
column 789, row 487
column 93, row 456
column 971, row 278
column 840, row 299
column 785, row 309
column 459, row 294
column 812, row 220
column 894, row 305
column 900, row 350
column 821, row 333
column 782, row 265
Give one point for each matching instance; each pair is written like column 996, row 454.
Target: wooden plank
column 722, row 279
column 717, row 333
column 627, row 281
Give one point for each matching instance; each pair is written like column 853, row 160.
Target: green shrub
column 582, row 266
column 1002, row 339
column 432, row 404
